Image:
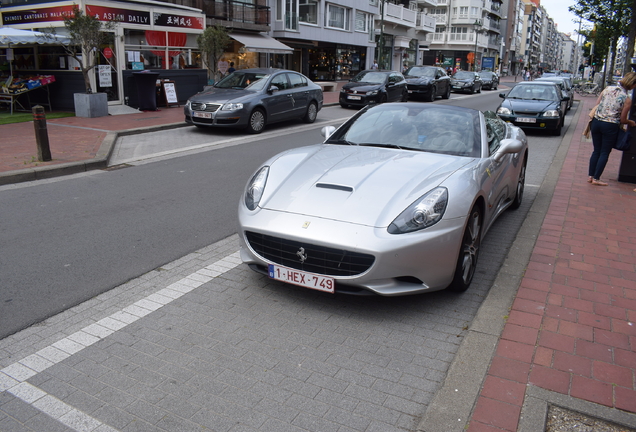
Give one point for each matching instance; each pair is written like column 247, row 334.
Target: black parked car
column 464, row 81
column 427, row 82
column 374, row 86
column 489, row 80
column 534, row 105
column 252, row 98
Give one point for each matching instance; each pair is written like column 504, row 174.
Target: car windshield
column 370, row 77
column 533, row 92
column 439, row 129
column 487, row 75
column 243, row 80
column 464, row 75
column 420, row 72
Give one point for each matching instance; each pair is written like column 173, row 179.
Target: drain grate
column 116, row 167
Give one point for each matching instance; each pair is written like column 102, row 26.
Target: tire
column 479, row 90
column 469, row 252
column 447, row 94
column 311, row 114
column 383, row 98
column 344, row 105
column 472, row 90
column 405, row 96
column 494, row 86
column 431, row 96
column 256, row 122
column 557, row 131
column 521, row 184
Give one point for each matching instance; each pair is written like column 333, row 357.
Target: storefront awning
column 261, row 43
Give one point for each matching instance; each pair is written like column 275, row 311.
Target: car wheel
column 256, row 122
column 494, row 86
column 405, row 96
column 472, row 90
column 432, row 95
column 344, row 105
column 383, row 99
column 469, row 252
column 479, row 89
column 447, row 94
column 312, row 113
column 557, row 131
column 521, row 184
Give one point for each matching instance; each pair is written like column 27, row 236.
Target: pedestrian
column 231, row 69
column 612, row 110
column 374, row 65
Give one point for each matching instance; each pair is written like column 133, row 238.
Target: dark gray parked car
column 427, row 82
column 374, row 86
column 252, row 98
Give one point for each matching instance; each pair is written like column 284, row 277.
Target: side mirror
column 327, row 131
column 508, row 146
column 566, row 98
column 272, row 89
column 502, row 95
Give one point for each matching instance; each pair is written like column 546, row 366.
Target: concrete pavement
column 557, row 326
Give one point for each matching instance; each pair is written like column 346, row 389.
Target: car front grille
column 319, row 259
column 198, row 106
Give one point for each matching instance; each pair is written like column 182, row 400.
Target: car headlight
column 255, row 188
column 423, row 213
column 551, row 113
column 504, row 111
column 372, row 93
column 188, row 104
column 232, row 106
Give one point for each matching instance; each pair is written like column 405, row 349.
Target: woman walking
column 612, row 110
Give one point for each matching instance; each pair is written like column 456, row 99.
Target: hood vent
column 335, row 187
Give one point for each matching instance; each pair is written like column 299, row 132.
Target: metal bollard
column 41, row 134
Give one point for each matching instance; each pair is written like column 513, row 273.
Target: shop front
column 146, row 36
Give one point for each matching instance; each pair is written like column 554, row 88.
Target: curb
column 100, row 161
column 452, row 406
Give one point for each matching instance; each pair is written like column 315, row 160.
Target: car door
column 278, row 99
column 441, row 83
column 396, row 87
column 299, row 93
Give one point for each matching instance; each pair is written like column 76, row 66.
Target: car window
column 421, row 71
column 444, row 130
column 297, row 80
column 495, row 131
column 240, row 80
column 370, row 77
column 464, row 75
column 280, row 81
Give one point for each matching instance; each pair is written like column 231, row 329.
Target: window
column 364, row 22
column 308, row 11
column 463, row 12
column 297, row 80
column 459, row 33
column 338, row 17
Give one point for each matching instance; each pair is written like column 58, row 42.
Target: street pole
column 381, row 47
column 477, row 24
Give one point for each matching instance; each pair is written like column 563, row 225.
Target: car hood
column 361, row 86
column 529, row 106
column 418, row 80
column 217, row 95
column 356, row 184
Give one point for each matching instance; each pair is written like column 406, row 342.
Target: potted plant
column 88, row 35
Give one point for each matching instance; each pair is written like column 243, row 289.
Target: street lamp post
column 477, row 24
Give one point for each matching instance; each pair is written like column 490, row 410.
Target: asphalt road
column 67, row 240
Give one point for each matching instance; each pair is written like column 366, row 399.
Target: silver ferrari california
column 395, row 201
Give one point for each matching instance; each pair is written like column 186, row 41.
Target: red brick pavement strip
column 72, row 139
column 572, row 327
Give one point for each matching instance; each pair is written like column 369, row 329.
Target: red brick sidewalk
column 572, row 327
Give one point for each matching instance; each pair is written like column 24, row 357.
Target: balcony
column 427, row 3
column 426, row 22
column 234, row 13
column 440, row 19
column 398, row 14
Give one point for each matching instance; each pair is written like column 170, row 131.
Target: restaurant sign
column 128, row 16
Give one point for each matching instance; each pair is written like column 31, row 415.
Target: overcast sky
column 558, row 11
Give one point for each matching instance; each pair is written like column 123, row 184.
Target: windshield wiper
column 381, row 145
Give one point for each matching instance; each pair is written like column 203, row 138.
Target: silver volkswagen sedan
column 395, row 201
column 252, row 98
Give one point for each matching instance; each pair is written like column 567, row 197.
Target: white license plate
column 457, row 87
column 526, row 120
column 301, row 278
column 410, row 91
column 354, row 97
column 201, row 114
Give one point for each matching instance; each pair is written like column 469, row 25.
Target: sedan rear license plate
column 526, row 120
column 301, row 278
column 354, row 97
column 200, row 114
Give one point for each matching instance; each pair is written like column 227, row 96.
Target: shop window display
column 152, row 49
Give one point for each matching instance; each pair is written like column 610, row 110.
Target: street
column 238, row 350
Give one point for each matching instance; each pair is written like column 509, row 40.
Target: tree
column 613, row 19
column 212, row 44
column 88, row 35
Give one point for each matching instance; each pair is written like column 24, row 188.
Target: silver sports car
column 395, row 201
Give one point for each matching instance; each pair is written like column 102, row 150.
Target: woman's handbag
column 586, row 131
column 624, row 140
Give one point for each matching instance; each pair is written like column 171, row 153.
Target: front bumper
column 358, row 99
column 418, row 262
column 540, row 123
column 217, row 118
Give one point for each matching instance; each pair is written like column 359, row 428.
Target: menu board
column 170, row 92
